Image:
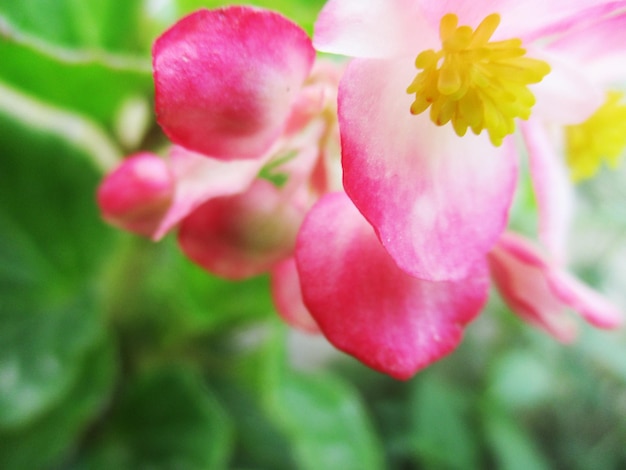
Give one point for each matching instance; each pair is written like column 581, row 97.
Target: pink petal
column 288, row 297
column 137, row 194
column 527, row 20
column 567, row 16
column 540, row 292
column 225, row 79
column 568, row 94
column 369, row 308
column 600, row 46
column 552, row 187
column 593, row 307
column 199, row 178
column 243, row 235
column 438, row 201
column 374, row 28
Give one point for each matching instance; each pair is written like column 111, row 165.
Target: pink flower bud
column 242, row 235
column 137, row 194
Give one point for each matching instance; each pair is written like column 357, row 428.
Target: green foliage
column 165, row 418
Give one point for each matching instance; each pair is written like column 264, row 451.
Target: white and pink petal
column 374, row 28
column 540, row 292
column 437, row 201
column 552, row 187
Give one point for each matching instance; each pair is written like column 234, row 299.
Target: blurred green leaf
column 167, row 419
column 110, row 24
column 519, row 379
column 86, row 85
column 510, row 443
column 321, row 415
column 53, row 435
column 442, row 433
column 177, row 304
column 52, row 246
column 75, row 54
column 327, row 423
column 259, row 441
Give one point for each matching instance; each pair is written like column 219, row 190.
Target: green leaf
column 519, row 379
column 321, row 415
column 259, row 441
column 327, row 423
column 52, row 246
column 48, row 439
column 39, row 360
column 442, row 432
column 110, row 24
column 76, row 54
column 166, row 418
column 92, row 85
column 177, row 301
column 511, row 445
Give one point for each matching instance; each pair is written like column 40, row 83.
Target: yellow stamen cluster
column 601, row 137
column 476, row 83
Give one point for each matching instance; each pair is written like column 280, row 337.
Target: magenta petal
column 438, row 201
column 225, row 79
column 368, row 307
column 288, row 296
column 243, row 235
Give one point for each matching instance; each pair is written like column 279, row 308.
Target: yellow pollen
column 476, row 83
column 600, row 138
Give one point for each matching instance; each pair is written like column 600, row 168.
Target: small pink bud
column 137, row 194
column 242, row 235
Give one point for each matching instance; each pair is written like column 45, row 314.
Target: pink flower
column 540, row 290
column 439, row 202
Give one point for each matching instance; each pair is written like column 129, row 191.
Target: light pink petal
column 527, row 20
column 137, row 194
column 243, row 235
column 374, row 28
column 225, row 79
column 540, row 292
column 572, row 17
column 552, row 188
column 568, row 94
column 288, row 297
column 592, row 306
column 438, row 201
column 599, row 46
column 200, row 178
column 368, row 307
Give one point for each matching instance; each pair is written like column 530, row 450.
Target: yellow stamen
column 475, row 83
column 601, row 137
